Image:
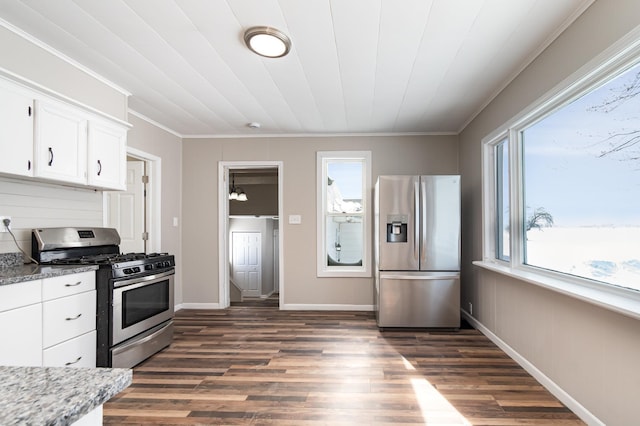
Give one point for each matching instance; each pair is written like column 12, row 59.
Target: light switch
column 175, row 221
column 295, row 219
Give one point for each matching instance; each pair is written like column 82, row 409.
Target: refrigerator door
column 440, row 223
column 396, row 217
column 423, row 300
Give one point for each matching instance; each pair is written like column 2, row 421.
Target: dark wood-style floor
column 252, row 364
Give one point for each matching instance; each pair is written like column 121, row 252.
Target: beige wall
column 591, row 353
column 151, row 139
column 390, row 155
column 31, row 62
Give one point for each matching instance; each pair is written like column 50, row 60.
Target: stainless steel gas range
column 135, row 304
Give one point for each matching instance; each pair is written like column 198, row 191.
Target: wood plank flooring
column 255, row 365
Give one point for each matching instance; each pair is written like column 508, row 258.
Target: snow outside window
column 574, row 174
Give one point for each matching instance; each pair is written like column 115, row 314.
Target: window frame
column 322, row 269
column 614, row 61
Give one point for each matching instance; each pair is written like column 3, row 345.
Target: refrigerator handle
column 416, row 220
column 423, row 221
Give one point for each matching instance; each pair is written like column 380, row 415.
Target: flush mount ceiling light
column 268, row 42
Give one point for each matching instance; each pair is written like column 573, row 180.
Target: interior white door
column 276, row 260
column 125, row 210
column 246, row 262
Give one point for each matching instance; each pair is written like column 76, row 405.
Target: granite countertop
column 56, row 395
column 30, row 272
column 12, row 269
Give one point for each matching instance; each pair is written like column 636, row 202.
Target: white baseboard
column 549, row 384
column 324, row 307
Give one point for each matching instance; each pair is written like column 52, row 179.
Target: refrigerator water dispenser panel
column 397, row 228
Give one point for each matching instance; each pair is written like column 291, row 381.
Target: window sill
column 618, row 300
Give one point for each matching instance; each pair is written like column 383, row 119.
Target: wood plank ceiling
column 356, row 66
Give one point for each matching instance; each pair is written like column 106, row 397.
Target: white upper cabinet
column 60, row 143
column 16, row 130
column 107, row 155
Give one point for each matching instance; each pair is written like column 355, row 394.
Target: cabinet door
column 16, row 131
column 60, row 143
column 107, row 155
column 21, row 336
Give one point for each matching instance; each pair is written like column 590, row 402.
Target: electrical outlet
column 2, row 219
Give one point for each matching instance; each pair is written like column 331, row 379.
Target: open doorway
column 135, row 212
column 250, row 204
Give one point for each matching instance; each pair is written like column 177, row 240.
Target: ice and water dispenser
column 397, row 228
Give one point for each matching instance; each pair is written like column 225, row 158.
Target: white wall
column 589, row 352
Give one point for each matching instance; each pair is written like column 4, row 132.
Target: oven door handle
column 144, row 279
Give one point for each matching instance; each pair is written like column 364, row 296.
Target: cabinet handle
column 29, row 111
column 73, row 285
column 99, row 167
column 28, row 164
column 74, row 318
column 73, row 362
column 50, row 156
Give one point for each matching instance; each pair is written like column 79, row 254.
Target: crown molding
column 154, row 123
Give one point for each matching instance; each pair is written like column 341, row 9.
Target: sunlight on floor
column 436, row 410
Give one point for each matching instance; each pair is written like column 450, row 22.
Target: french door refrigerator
column 417, row 251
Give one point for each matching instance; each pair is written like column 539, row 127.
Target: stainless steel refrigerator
column 417, row 251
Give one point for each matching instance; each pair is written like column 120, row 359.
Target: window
column 503, row 243
column 574, row 173
column 344, row 185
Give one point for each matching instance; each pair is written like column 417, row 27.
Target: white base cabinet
column 49, row 322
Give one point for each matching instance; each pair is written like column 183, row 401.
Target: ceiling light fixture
column 268, row 42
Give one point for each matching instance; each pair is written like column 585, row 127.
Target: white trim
column 155, row 123
column 322, row 270
column 223, row 224
column 325, row 307
column 33, row 40
column 154, row 197
column 545, row 381
column 198, row 306
column 315, row 135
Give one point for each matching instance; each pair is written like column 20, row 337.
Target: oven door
column 140, row 304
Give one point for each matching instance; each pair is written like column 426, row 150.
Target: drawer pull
column 73, row 285
column 74, row 318
column 74, row 362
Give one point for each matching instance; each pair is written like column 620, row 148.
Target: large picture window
column 343, row 227
column 572, row 174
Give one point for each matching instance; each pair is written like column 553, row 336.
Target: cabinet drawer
column 66, row 285
column 68, row 317
column 77, row 352
column 14, row 296
column 21, row 336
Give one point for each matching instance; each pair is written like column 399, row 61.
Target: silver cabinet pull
column 73, row 362
column 75, row 318
column 73, row 285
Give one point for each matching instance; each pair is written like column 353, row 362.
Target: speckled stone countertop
column 55, row 396
column 30, row 272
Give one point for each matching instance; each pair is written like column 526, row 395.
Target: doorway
column 135, row 212
column 247, row 177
